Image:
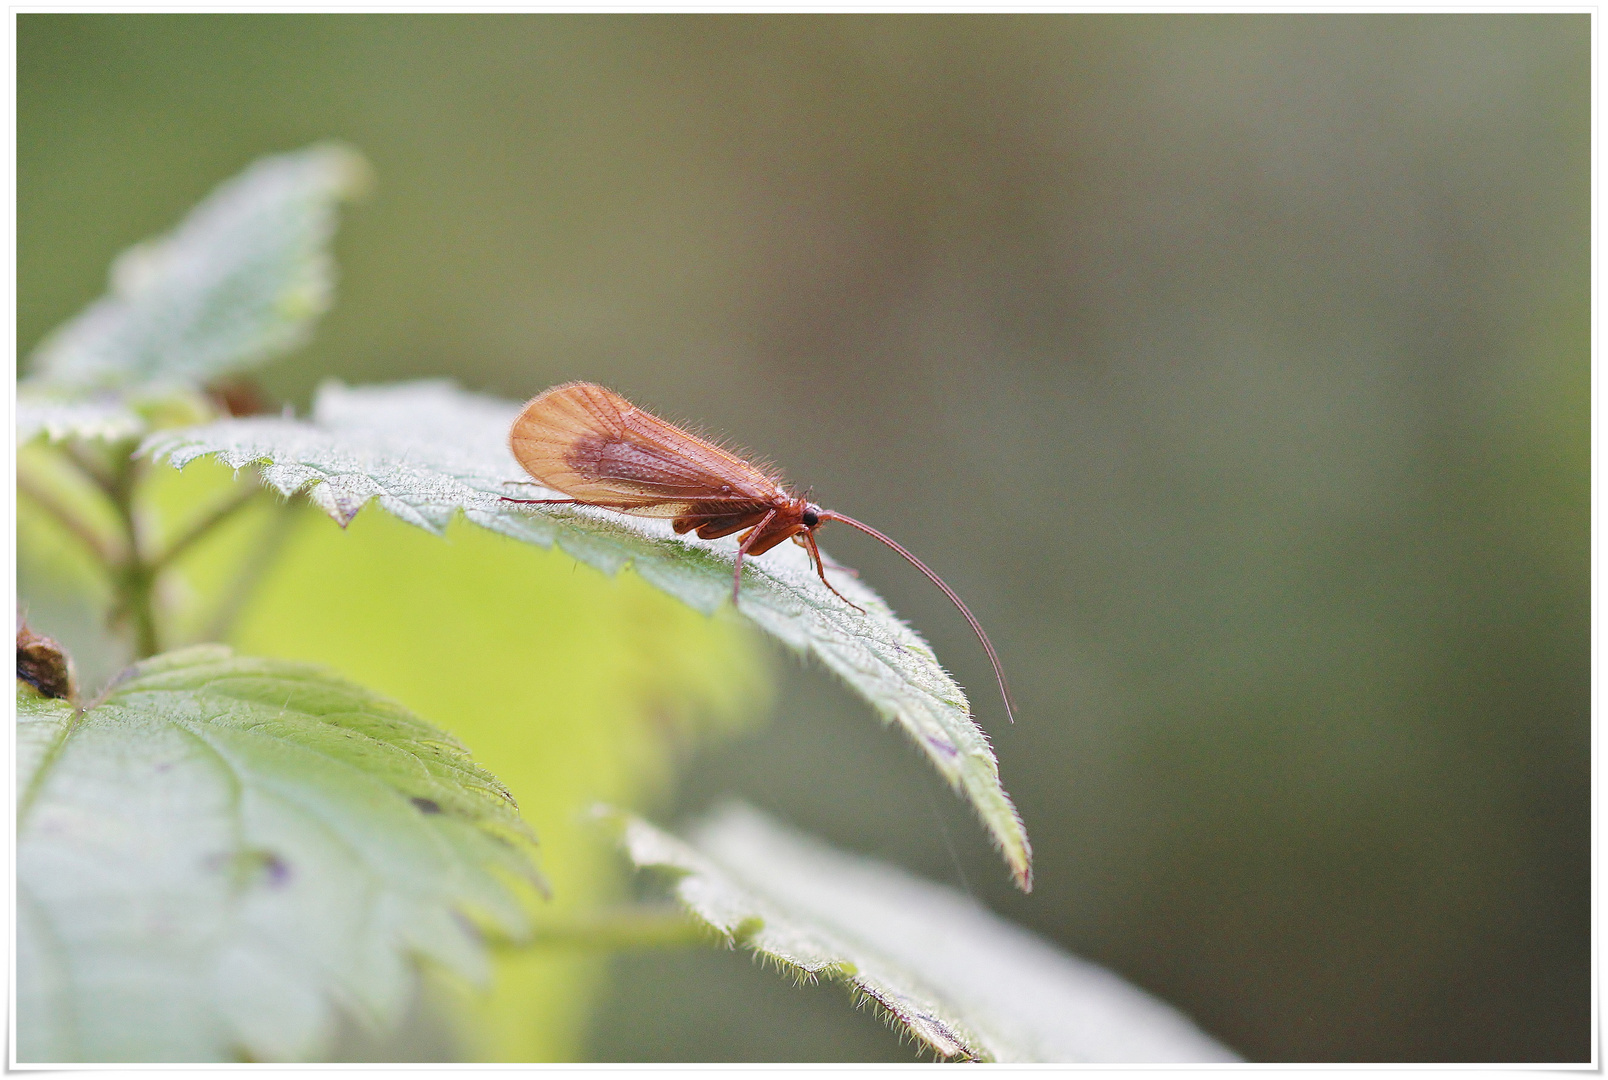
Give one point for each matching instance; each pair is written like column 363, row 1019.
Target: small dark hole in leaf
column 428, row 806
column 277, row 870
column 254, row 866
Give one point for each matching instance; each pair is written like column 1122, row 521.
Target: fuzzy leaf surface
column 59, row 416
column 240, row 281
column 960, row 979
column 226, row 854
column 425, row 451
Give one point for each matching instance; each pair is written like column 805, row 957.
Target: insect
column 600, row 450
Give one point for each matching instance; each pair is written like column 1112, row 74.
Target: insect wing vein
column 594, row 446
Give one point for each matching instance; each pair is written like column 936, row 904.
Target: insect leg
column 715, row 528
column 820, row 568
column 802, row 539
column 748, row 542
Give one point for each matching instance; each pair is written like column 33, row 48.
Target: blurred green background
column 1234, row 369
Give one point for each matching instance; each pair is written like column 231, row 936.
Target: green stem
column 623, row 928
column 255, row 565
column 135, row 577
column 134, row 574
column 205, row 525
column 77, row 526
column 139, row 587
column 94, row 467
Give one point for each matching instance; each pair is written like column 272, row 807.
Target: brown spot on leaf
column 428, row 806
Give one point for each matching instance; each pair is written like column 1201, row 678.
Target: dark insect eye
column 810, row 519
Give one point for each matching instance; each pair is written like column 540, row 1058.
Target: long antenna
column 988, row 646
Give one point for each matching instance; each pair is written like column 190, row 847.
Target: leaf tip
column 1019, row 857
column 353, row 175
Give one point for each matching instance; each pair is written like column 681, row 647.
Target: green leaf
column 586, row 689
column 426, row 451
column 226, row 854
column 58, row 415
column 963, row 981
column 240, row 281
